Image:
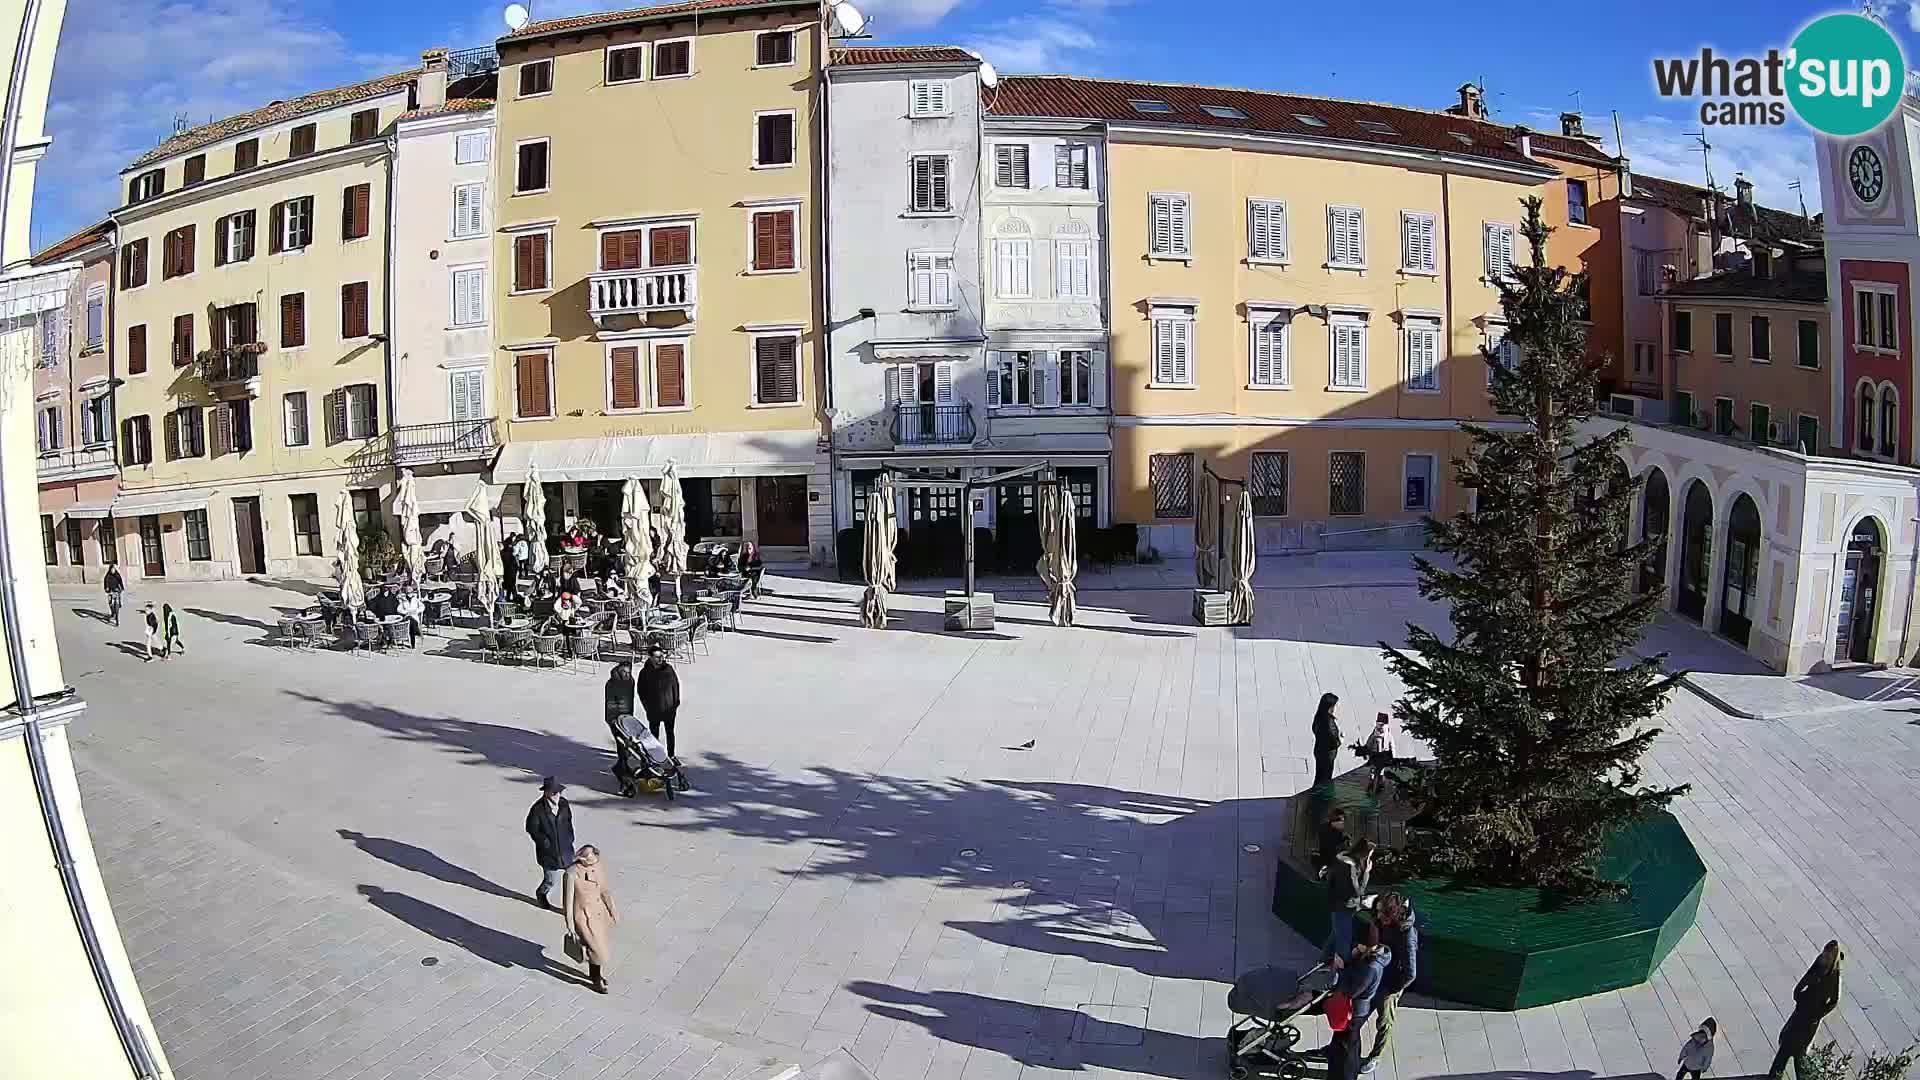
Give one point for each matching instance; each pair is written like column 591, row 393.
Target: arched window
column 1889, row 421
column 1865, row 444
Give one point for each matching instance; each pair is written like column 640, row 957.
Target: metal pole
column 966, row 526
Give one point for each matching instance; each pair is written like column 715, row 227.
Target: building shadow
column 96, row 616
column 493, row 946
column 293, row 585
column 229, row 619
column 420, row 860
column 810, row 639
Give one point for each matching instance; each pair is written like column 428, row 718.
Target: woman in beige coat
column 590, row 912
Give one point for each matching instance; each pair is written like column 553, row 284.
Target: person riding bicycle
column 116, row 589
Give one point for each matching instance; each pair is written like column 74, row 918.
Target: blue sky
column 127, row 67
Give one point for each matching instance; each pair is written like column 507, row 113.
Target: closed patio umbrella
column 635, row 525
column 1240, row 567
column 486, row 550
column 346, row 558
column 406, row 504
column 534, row 498
column 1059, row 563
column 877, row 545
column 673, row 507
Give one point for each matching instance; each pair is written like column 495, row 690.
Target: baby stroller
column 645, row 761
column 1268, row 1000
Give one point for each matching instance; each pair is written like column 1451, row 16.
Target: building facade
column 73, row 407
column 252, row 317
column 657, row 182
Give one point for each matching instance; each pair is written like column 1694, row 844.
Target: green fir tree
column 1535, row 728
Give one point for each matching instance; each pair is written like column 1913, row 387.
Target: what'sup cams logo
column 1843, row 75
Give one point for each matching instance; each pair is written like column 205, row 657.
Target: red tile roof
column 1069, row 97
column 206, row 134
column 658, row 11
column 453, row 105
column 86, row 237
column 1684, row 199
column 1566, row 146
column 903, row 54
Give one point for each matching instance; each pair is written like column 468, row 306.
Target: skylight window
column 1309, row 119
column 1461, row 137
column 1376, row 127
column 1149, row 105
column 1224, row 112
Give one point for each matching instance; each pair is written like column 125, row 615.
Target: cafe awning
column 140, row 503
column 89, row 510
column 731, row 453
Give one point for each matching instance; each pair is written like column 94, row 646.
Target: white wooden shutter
column 993, row 379
column 1423, row 356
column 943, row 384
column 1499, row 251
column 1098, row 396
column 1267, row 351
column 1346, row 240
column 1160, row 231
column 1182, row 223
column 467, row 210
column 1349, row 354
column 1015, row 267
column 1183, row 351
column 1046, row 379
column 920, row 280
column 1266, row 230
column 943, row 281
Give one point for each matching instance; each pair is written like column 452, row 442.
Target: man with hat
column 550, row 824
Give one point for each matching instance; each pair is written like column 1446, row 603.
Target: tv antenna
column 180, row 123
column 1576, row 100
column 1705, row 150
column 1796, row 189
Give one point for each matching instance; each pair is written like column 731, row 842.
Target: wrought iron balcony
column 639, row 292
column 933, row 425
column 232, row 372
column 77, row 462
column 450, row 440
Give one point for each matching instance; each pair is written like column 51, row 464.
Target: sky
column 127, row 68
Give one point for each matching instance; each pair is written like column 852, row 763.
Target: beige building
column 251, row 319
column 656, row 184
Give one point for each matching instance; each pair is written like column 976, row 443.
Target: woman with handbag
column 590, row 915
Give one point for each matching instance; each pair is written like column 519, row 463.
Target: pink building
column 73, row 406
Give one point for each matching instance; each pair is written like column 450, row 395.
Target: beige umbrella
column 1240, row 567
column 486, row 552
column 882, row 532
column 346, row 558
column 534, row 499
column 1059, row 563
column 406, row 504
column 673, row 507
column 635, row 520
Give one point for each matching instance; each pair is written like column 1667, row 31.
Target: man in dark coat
column 550, row 824
column 1326, row 739
column 658, row 688
column 1393, row 913
column 619, row 704
column 1814, row 996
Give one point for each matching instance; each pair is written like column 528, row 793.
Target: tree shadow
column 293, row 585
column 229, row 619
column 420, row 860
column 96, row 616
column 493, row 946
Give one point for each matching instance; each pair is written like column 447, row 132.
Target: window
column 1682, row 331
column 232, row 325
column 182, row 340
column 930, row 280
column 292, row 224
column 1643, row 357
column 233, row 238
column 365, row 124
column 1013, row 268
column 1505, row 351
column 1889, row 320
column 366, row 510
column 1497, row 249
column 1647, row 271
column 1171, row 478
column 177, row 253
column 1723, row 416
column 623, row 378
column 1310, row 120
column 353, row 310
column 1223, row 112
column 1346, row 236
column 1419, row 243
column 929, row 184
column 776, row 369
column 926, row 97
column 1577, row 201
column 51, row 434
column 185, row 433
column 1010, row 165
column 1422, row 338
column 353, row 412
column 1015, row 378
column 293, row 320
column 1866, row 418
column 1889, row 422
column 303, row 141
column 1073, row 267
column 1419, row 482
column 1149, row 105
column 96, row 420
column 470, row 148
column 469, row 210
column 530, row 174
column 1347, row 342
column 1070, row 166
column 669, row 375
column 96, row 317
column 76, row 542
column 1683, row 408
column 536, row 78
column 470, row 296
column 293, row 419
column 306, row 524
column 672, row 59
column 1269, row 349
column 1173, row 346
column 1809, row 352
column 356, row 212
column 1171, row 228
column 774, row 235
column 533, row 386
column 136, row 441
column 133, row 264
column 1376, row 127
column 246, row 154
column 773, row 48
column 1347, row 482
column 530, row 262
column 1076, row 377
column 1762, row 330
column 1808, row 435
column 626, row 63
column 1722, row 334
column 1759, row 418
column 148, row 185
column 47, row 546
column 773, row 139
column 195, row 169
column 670, row 245
column 199, row 542
column 1266, row 230
column 1267, row 482
column 232, row 424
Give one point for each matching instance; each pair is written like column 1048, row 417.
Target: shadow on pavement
column 420, row 860
column 230, row 620
column 493, row 946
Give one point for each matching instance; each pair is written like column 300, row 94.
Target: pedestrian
column 550, row 824
column 619, row 701
column 116, row 591
column 1361, row 976
column 591, row 914
column 153, row 628
column 1347, row 882
column 658, row 688
column 510, row 564
column 1326, row 739
column 1696, row 1054
column 1814, row 996
column 1379, row 751
column 1333, row 840
column 1393, row 913
column 169, row 632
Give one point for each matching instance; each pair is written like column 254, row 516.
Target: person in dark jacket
column 1326, row 739
column 170, row 632
column 116, row 590
column 658, row 688
column 1333, row 840
column 1393, row 913
column 550, row 824
column 1361, row 977
column 1814, row 996
column 1347, row 881
column 510, row 566
column 619, row 704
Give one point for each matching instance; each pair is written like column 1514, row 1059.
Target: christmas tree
column 1536, row 731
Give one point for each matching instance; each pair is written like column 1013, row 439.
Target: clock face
column 1866, row 175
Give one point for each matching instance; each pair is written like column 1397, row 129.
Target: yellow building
column 250, row 321
column 1300, row 292
column 655, row 293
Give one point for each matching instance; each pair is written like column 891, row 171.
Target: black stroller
column 643, row 761
column 1268, row 1000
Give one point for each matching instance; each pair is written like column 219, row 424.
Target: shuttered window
column 1347, row 482
column 530, row 261
column 1173, row 348
column 774, row 48
column 1171, row 226
column 670, row 245
column 137, row 349
column 669, row 375
column 246, row 154
column 1266, row 230
column 176, row 251
column 363, row 411
column 1171, row 478
column 1497, row 245
column 293, row 320
column 192, row 431
column 233, row 238
column 1010, row 166
column 773, row 139
column 530, row 172
column 1013, row 268
column 1346, row 236
column 353, row 310
column 293, row 413
column 926, row 97
column 1422, row 338
column 1070, row 166
column 672, row 58
column 930, row 280
column 303, row 141
column 136, row 441
column 1267, row 483
column 291, row 223
column 1347, row 341
column 929, row 184
column 195, row 169
column 623, row 377
column 470, row 296
column 356, row 211
column 532, row 397
column 1419, row 242
column 469, row 209
column 470, row 148
column 622, row 250
column 626, row 63
column 1268, row 349
column 1073, row 269
column 133, row 264
column 182, row 340
column 536, row 77
column 776, row 363
column 365, row 124
column 773, row 240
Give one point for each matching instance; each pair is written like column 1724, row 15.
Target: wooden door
column 780, row 508
column 154, row 564
column 247, row 535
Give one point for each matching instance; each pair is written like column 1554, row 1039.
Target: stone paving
column 1011, row 854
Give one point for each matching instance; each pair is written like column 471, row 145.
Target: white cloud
column 1913, row 16
column 1771, row 157
column 1035, row 43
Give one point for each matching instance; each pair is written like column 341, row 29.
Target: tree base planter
column 1507, row 948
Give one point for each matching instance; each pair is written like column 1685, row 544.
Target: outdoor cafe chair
column 516, row 644
column 364, row 636
column 489, row 647
column 547, row 647
column 697, row 632
column 587, row 645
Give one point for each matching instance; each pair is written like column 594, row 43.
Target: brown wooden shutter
column 217, row 329
column 137, row 349
column 530, row 377
column 182, row 340
column 170, row 428
column 356, row 211
column 672, row 246
column 195, row 169
column 293, row 320
column 763, row 228
column 222, row 430
column 783, row 248
column 336, row 410
column 246, row 223
column 621, row 250
column 353, row 310
column 220, row 229
column 625, row 362
column 778, row 374
column 670, row 375
column 276, row 223
column 186, row 249
column 167, row 243
column 522, row 262
column 249, row 324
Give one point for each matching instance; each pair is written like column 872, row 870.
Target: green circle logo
column 1846, row 74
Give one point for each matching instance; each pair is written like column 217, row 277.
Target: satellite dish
column 847, row 18
column 516, row 16
column 989, row 78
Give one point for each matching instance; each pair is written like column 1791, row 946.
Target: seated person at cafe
column 570, row 581
column 566, row 608
column 575, row 540
column 612, row 587
column 720, row 562
column 381, row 602
column 752, row 566
column 415, row 609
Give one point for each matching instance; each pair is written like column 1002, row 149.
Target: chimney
column 433, row 79
column 1743, row 190
column 1472, row 105
column 1570, row 125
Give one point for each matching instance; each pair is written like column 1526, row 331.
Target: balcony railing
column 451, row 440
column 233, row 371
column 933, row 425
column 637, row 292
column 77, row 462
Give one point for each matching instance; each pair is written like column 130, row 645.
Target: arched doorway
column 1654, row 512
column 1696, row 550
column 1737, row 600
column 1859, row 593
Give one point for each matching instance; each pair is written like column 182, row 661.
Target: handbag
column 1339, row 1010
column 576, row 952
